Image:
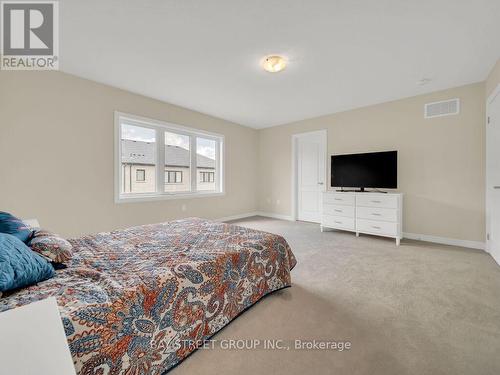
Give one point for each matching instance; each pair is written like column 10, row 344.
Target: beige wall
column 441, row 160
column 493, row 79
column 52, row 122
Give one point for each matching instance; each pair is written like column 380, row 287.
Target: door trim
column 295, row 137
column 493, row 95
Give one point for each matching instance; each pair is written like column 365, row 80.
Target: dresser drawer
column 338, row 222
column 344, row 199
column 376, row 213
column 338, row 210
column 382, row 228
column 379, row 200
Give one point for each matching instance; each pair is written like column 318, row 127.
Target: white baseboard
column 275, row 216
column 446, row 241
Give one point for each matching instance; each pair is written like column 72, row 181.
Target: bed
column 140, row 300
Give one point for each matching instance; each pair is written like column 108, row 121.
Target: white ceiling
column 204, row 55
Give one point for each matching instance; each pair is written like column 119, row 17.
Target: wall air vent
column 444, row 108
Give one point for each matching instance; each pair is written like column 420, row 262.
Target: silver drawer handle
column 338, row 199
column 338, row 210
column 338, row 222
column 376, row 202
column 375, row 227
column 375, row 214
column 496, row 187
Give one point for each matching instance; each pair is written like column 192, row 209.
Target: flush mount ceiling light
column 274, row 64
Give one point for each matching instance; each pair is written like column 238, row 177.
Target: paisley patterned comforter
column 138, row 301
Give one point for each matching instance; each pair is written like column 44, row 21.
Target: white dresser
column 371, row 213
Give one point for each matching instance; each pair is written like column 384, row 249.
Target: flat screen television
column 368, row 170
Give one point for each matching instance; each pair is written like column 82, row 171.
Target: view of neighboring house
column 138, row 164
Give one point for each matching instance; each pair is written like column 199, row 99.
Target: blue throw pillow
column 19, row 265
column 12, row 225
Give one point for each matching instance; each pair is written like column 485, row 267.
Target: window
column 207, row 177
column 206, row 149
column 140, row 175
column 173, row 177
column 178, row 157
column 138, row 153
column 168, row 160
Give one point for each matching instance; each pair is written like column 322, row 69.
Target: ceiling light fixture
column 274, row 64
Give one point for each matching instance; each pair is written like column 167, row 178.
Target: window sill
column 161, row 197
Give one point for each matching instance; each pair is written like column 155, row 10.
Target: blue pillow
column 12, row 225
column 19, row 265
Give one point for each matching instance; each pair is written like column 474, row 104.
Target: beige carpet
column 419, row 309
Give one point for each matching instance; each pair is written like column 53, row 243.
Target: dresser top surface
column 366, row 193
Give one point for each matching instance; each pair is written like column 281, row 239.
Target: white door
column 493, row 176
column 311, row 174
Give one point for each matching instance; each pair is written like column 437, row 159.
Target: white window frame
column 161, row 127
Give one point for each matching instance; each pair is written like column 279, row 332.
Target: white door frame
column 490, row 99
column 295, row 189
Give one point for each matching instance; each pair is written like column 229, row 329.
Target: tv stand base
column 362, row 190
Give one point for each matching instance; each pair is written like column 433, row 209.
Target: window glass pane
column 205, row 164
column 138, row 159
column 140, row 175
column 173, row 177
column 189, row 159
column 177, row 162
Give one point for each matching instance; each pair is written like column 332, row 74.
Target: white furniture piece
column 379, row 214
column 32, row 341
